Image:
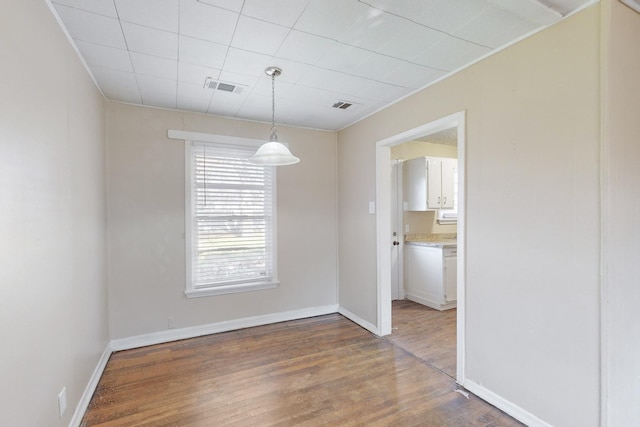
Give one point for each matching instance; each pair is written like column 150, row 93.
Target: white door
column 397, row 290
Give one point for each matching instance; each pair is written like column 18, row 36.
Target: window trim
column 233, row 142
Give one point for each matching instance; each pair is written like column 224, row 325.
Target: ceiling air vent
column 343, row 105
column 209, row 83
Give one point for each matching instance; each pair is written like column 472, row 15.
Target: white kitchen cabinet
column 431, row 275
column 430, row 183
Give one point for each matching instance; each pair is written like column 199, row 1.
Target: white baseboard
column 359, row 320
column 214, row 328
column 430, row 303
column 503, row 404
column 83, row 404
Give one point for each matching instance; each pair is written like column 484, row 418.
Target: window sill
column 229, row 289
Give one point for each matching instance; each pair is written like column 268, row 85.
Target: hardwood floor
column 319, row 371
column 426, row 333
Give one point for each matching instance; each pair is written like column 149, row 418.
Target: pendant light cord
column 273, row 137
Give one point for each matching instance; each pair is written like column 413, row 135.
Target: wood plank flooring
column 426, row 333
column 320, row 371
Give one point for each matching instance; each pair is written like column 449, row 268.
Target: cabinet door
column 450, row 278
column 448, row 174
column 434, row 184
column 416, row 185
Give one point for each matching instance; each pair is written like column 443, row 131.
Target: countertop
column 435, row 240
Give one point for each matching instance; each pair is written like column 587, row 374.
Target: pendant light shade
column 273, row 153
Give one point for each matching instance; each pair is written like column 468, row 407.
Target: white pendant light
column 273, row 153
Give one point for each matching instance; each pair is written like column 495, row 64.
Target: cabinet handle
column 438, row 200
column 444, row 202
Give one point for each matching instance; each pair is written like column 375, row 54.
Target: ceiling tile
column 377, row 66
column 531, row 11
column 334, row 82
column 157, row 92
column 151, row 41
column 196, row 74
column 468, row 57
column 512, row 34
column 406, row 8
column 207, row 22
column 90, row 27
column 258, row 36
column 446, row 54
column 488, row 26
column 292, row 71
column 563, row 7
column 240, row 79
column 448, row 15
column 192, row 97
column 241, row 61
column 234, row 5
column 374, row 27
column 410, row 41
column 200, row 52
column 154, row 66
column 442, row 15
column 311, row 96
column 344, row 58
column 331, row 18
column 105, row 56
column 304, row 47
column 409, row 75
column 282, row 12
column 379, row 91
column 351, row 86
column 117, row 85
column 101, row 7
column 228, row 104
column 158, row 14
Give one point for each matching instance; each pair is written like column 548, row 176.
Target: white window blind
column 232, row 224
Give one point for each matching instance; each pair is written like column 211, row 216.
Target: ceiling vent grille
column 209, row 83
column 343, row 105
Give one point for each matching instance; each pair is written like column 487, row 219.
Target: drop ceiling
column 187, row 54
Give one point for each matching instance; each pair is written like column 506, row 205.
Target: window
column 230, row 220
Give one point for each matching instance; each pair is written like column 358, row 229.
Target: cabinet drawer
column 449, row 252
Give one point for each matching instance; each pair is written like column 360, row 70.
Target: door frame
column 399, row 225
column 383, row 227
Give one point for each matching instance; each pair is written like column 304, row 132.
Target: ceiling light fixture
column 273, row 153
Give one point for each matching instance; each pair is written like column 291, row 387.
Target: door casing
column 383, row 227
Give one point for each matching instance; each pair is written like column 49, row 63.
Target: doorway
column 384, row 228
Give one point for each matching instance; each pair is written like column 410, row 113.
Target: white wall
column 146, row 223
column 532, row 268
column 52, row 219
column 621, row 238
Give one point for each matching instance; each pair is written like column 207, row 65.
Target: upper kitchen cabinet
column 430, row 183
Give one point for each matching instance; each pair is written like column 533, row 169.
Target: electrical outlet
column 62, row 401
column 406, row 228
column 171, row 323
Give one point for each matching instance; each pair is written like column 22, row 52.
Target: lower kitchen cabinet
column 431, row 275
